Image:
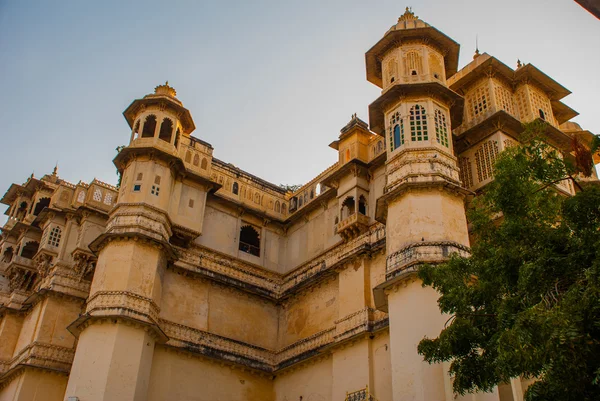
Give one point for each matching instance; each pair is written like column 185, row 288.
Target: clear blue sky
column 269, row 84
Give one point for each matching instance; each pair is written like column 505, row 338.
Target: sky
column 268, row 83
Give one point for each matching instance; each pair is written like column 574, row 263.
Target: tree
column 290, row 188
column 527, row 301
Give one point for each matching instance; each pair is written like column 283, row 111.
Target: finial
column 165, row 90
column 55, row 171
column 519, row 65
column 408, row 15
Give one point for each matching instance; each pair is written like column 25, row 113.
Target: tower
column 164, row 181
column 423, row 202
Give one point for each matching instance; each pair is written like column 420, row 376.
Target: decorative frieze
column 123, row 303
column 421, row 253
column 40, row 355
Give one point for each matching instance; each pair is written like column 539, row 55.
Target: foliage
column 527, row 301
column 290, row 188
column 119, row 149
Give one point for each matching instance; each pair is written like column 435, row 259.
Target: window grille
column 540, row 102
column 522, row 103
column 81, row 197
column 412, row 63
column 97, row 195
column 504, row 99
column 466, row 173
column 108, row 198
column 155, row 190
column 478, row 100
column 441, row 128
column 485, row 157
column 54, row 237
column 418, row 124
column 391, row 70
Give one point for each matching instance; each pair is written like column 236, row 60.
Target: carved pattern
column 84, row 264
column 123, row 303
column 41, row 355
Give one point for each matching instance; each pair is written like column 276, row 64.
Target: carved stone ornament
column 44, row 262
column 84, row 264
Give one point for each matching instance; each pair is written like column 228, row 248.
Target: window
column 465, row 172
column 54, row 237
column 81, row 197
column 277, row 207
column 204, row 164
column 300, row 201
column 97, row 195
column 155, row 190
column 318, row 189
column 177, row 138
column 42, row 203
column 196, row 160
column 235, row 188
column 435, row 65
column 136, row 130
column 391, row 70
column 166, row 130
column 478, row 100
column 257, row 198
column 191, row 203
column 30, row 249
column 504, row 98
column 418, row 124
column 441, row 128
column 149, row 126
column 362, row 205
column 108, row 198
column 157, row 180
column 312, row 194
column 137, row 187
column 139, row 177
column 412, row 63
column 348, row 207
column 283, row 209
column 542, row 115
column 396, row 131
column 485, row 157
column 540, row 101
column 188, row 157
column 7, row 255
column 249, row 240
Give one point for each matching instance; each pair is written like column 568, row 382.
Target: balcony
column 353, row 225
column 360, row 395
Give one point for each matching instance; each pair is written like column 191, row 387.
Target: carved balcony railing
column 360, row 395
column 353, row 226
column 421, row 253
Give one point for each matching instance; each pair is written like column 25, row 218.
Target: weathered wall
column 35, row 385
column 177, row 376
column 311, row 381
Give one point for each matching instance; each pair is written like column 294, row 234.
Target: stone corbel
column 266, row 222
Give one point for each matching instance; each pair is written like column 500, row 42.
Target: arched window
column 362, row 205
column 305, row 198
column 348, row 207
column 235, row 188
column 418, row 123
column 188, row 157
column 249, row 240
column 149, row 126
column 21, row 211
column 42, row 203
column 277, row 207
column 136, row 130
column 312, row 194
column 283, row 209
column 166, row 130
column 204, row 164
column 8, row 254
column 318, row 189
column 396, row 132
column 257, row 198
column 271, row 204
column 177, row 138
column 441, row 128
column 196, row 160
column 30, row 249
column 413, row 64
column 54, row 237
column 249, row 194
column 300, row 201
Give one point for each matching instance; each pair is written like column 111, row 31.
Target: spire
column 519, row 65
column 476, row 48
column 55, row 171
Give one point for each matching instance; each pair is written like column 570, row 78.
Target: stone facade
column 195, row 280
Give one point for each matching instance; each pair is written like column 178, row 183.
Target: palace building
column 196, row 280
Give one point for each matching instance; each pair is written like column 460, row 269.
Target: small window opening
column 204, row 164
column 413, row 72
column 249, row 240
column 149, row 126
column 542, row 115
column 137, row 187
column 157, row 180
column 348, row 207
column 312, row 194
column 283, row 209
column 235, row 188
column 30, row 249
column 436, row 76
column 362, row 205
column 7, row 255
column 196, row 160
column 155, row 190
column 392, row 80
column 136, row 130
column 277, row 207
column 318, row 190
column 166, row 130
column 140, row 176
column 42, row 203
column 188, row 157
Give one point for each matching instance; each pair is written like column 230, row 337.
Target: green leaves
column 527, row 302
